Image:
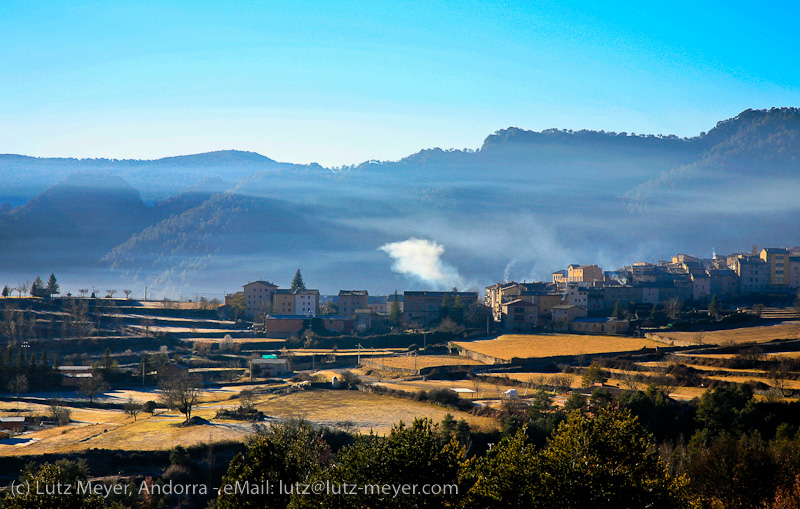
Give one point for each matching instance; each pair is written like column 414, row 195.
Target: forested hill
column 523, row 204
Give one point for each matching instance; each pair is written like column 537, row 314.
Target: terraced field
column 530, row 346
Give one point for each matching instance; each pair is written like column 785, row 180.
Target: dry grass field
column 363, row 411
column 113, row 429
column 484, row 390
column 425, row 361
column 554, row 345
column 786, row 330
column 535, row 378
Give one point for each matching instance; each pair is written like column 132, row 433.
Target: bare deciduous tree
column 59, row 411
column 132, row 407
column 127, row 293
column 18, row 385
column 779, row 375
column 91, row 386
column 673, row 307
column 82, row 326
column 181, row 392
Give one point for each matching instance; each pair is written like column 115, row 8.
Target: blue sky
column 343, row 82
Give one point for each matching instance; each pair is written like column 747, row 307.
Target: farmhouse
column 519, row 315
column 72, row 375
column 599, row 326
column 567, row 312
column 12, row 424
column 268, row 367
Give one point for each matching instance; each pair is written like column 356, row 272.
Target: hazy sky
column 342, row 82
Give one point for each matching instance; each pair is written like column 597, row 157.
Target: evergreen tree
column 457, row 311
column 291, row 452
column 297, row 282
column 37, row 288
column 603, row 462
column 395, row 315
column 714, row 308
column 52, row 285
column 617, row 313
column 6, row 291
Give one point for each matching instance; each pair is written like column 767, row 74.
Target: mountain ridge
column 525, row 201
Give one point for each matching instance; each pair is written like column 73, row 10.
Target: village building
column 519, row 315
column 352, row 300
column 295, row 302
column 258, row 298
column 590, row 325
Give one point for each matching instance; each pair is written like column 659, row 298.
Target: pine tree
column 37, row 288
column 297, row 282
column 395, row 316
column 52, row 285
column 617, row 313
column 6, row 291
column 713, row 306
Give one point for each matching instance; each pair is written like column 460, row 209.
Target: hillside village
column 86, row 373
column 580, row 298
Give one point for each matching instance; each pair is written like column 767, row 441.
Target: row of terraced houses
column 577, row 296
column 576, row 299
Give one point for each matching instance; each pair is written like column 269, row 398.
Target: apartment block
column 295, row 302
column 777, row 260
column 519, row 315
column 752, row 272
column 258, row 297
column 352, row 300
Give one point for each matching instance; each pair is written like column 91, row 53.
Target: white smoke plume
column 421, row 259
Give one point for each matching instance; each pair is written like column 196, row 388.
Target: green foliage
column 735, row 472
column 607, row 461
column 179, row 456
column 297, row 282
column 53, row 288
column 395, row 315
column 593, row 374
column 600, row 398
column 38, row 288
column 714, row 308
column 291, row 452
column 409, row 455
column 576, row 401
column 237, row 305
column 657, row 413
column 504, row 477
column 64, row 473
column 618, row 311
column 726, row 409
column 149, row 407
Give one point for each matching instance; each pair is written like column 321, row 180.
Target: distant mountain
column 156, row 179
column 523, row 204
column 73, row 223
